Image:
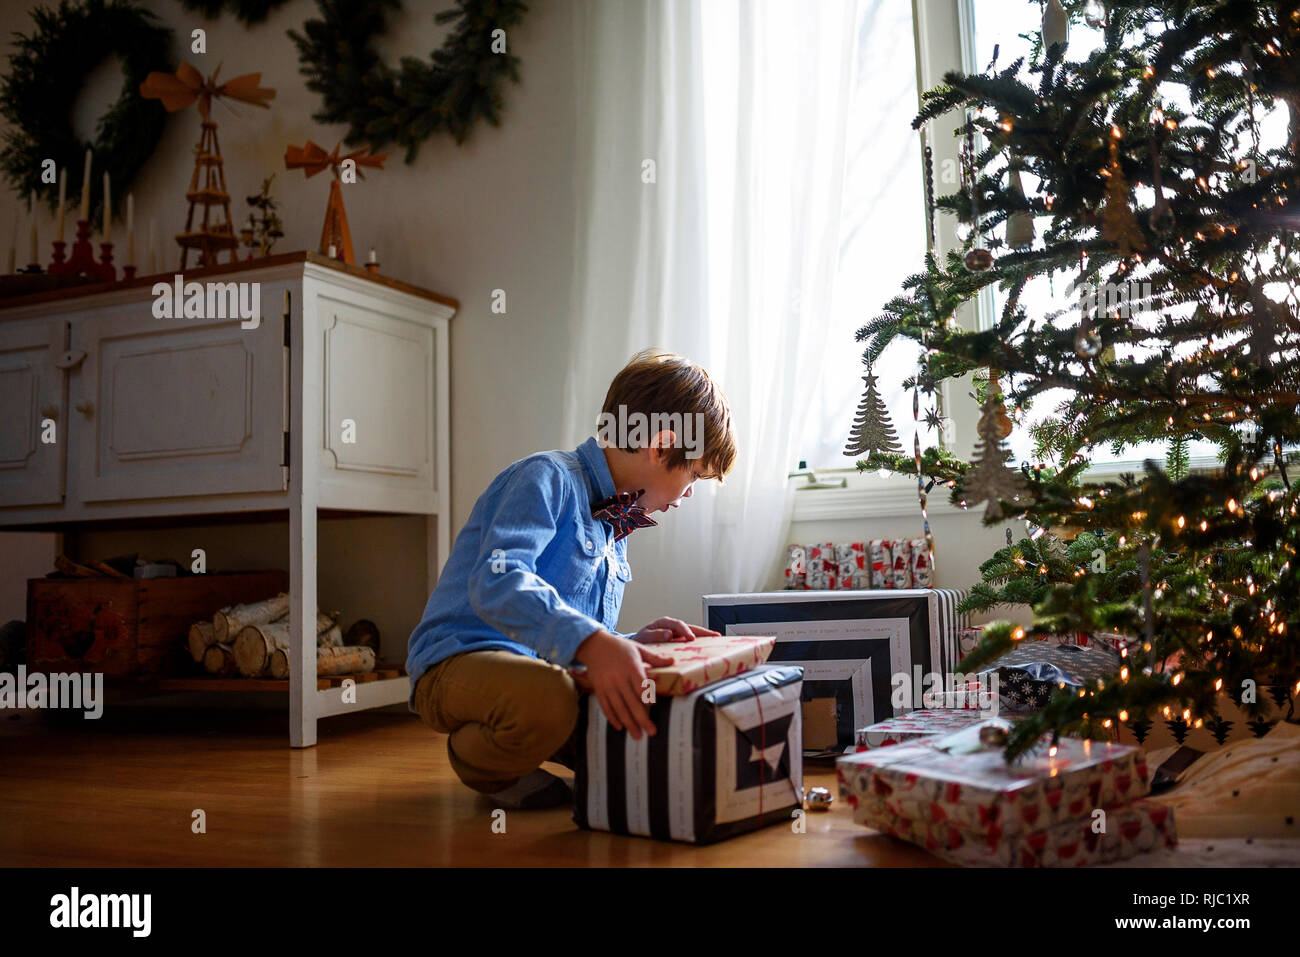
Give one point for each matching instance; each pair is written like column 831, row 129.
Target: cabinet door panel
column 379, row 407
column 31, row 391
column 178, row 407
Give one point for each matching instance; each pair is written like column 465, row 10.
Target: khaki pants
column 504, row 714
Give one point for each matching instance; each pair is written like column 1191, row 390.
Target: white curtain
column 728, row 256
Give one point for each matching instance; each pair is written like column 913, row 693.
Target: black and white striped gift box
column 850, row 644
column 726, row 759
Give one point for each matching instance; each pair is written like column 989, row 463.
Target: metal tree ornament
column 990, row 479
column 872, row 431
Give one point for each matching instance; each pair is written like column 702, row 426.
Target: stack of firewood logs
column 253, row 640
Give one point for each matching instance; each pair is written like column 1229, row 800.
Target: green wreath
column 247, row 12
column 380, row 105
column 47, row 72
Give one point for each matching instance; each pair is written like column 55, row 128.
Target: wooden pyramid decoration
column 313, row 159
column 208, row 182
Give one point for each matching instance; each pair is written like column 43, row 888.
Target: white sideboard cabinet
column 337, row 399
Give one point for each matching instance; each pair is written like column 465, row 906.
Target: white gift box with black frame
column 850, row 643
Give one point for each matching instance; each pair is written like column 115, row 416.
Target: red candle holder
column 108, row 272
column 83, row 261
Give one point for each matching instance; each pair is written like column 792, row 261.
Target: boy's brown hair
column 657, row 383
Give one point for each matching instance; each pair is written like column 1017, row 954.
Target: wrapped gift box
column 850, row 644
column 699, row 662
column 1031, row 673
column 952, row 779
column 915, row 726
column 1085, row 639
column 969, row 639
column 1125, row 831
column 726, row 759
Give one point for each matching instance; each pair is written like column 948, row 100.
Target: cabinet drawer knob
column 70, row 359
column 85, row 407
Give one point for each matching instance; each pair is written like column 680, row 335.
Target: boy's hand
column 671, row 629
column 616, row 670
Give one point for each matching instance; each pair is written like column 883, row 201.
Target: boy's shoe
column 535, row 790
column 568, row 753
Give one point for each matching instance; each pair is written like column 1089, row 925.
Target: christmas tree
column 1164, row 207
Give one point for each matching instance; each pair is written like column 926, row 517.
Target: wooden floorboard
column 375, row 791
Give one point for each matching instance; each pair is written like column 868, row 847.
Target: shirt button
column 590, row 546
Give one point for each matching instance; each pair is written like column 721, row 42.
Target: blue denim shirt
column 531, row 572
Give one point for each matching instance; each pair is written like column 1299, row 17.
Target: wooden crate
column 129, row 627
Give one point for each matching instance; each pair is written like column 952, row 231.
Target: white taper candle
column 84, row 212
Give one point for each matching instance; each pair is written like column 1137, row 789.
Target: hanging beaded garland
column 929, row 194
column 916, row 451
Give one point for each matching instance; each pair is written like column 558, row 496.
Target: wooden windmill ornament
column 208, row 182
column 313, row 159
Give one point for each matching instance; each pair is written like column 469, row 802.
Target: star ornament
column 622, row 513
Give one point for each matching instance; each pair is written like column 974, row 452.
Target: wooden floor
column 375, row 791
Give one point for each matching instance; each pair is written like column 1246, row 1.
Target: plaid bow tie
column 622, row 513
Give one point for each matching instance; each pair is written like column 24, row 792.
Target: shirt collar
column 600, row 483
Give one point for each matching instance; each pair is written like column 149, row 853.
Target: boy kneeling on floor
column 535, row 580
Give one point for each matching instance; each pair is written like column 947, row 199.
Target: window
column 882, row 234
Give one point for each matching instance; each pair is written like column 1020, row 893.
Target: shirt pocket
column 621, row 574
column 577, row 560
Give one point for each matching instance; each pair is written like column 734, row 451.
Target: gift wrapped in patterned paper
column 914, row 726
column 848, row 564
column 1031, row 673
column 902, row 574
column 881, row 557
column 1086, row 639
column 956, row 780
column 699, row 662
column 796, row 566
column 921, row 572
column 821, row 566
column 1119, row 833
column 968, row 639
